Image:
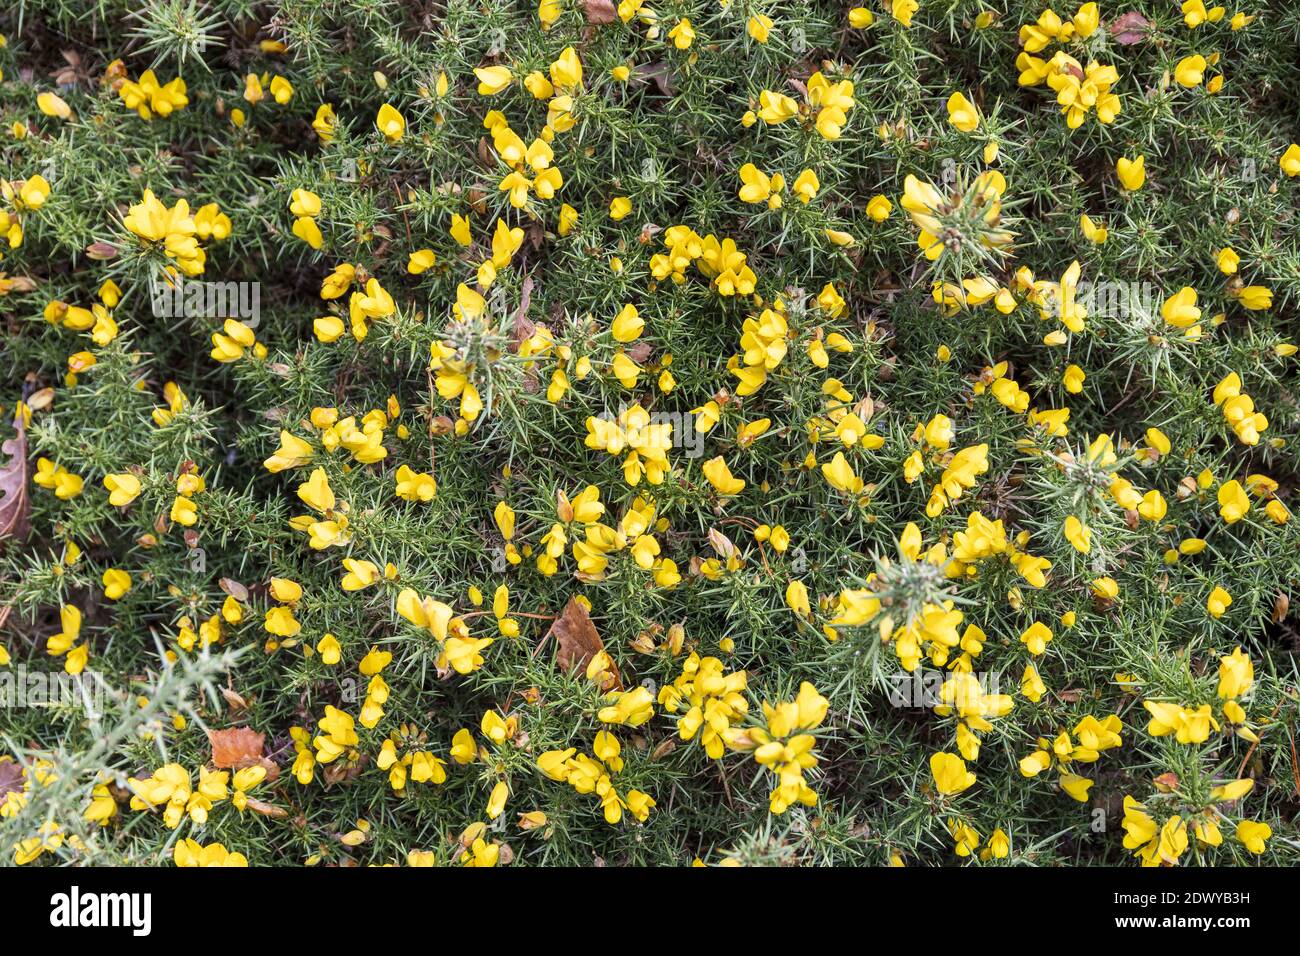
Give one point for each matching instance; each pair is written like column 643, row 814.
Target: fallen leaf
column 664, row 749
column 234, row 699
column 599, row 11
column 266, row 810
column 236, row 747
column 721, row 544
column 524, row 327
column 579, row 643
column 343, row 771
column 659, row 73
column 11, row 777
column 1129, row 28
column 15, row 507
column 234, row 589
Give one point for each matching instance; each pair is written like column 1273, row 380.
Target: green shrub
column 942, row 485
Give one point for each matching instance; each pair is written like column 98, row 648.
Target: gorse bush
column 768, row 432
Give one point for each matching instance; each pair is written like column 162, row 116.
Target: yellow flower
column 1233, row 502
column 683, row 34
column 879, row 208
column 1078, row 534
column 391, row 123
column 1236, row 674
column 122, row 488
column 116, row 583
column 903, row 10
column 776, row 108
column 1180, row 309
column 860, row 18
column 1190, row 71
column 950, row 774
column 796, row 598
column 1132, row 172
column 719, row 475
column 316, row 491
column 497, row 801
column 1218, row 602
column 329, row 649
column 420, row 261
column 758, row 187
column 628, row 324
column 492, row 79
column 281, row 90
column 53, row 105
column 962, row 113
column 1036, row 637
column 1253, row 835
column 1093, row 232
column 1290, row 160
column 190, row 853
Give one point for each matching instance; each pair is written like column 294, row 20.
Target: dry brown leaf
column 234, row 699
column 266, row 810
column 599, row 11
column 15, row 506
column 1130, row 28
column 721, row 544
column 11, row 777
column 236, row 747
column 343, row 771
column 664, row 749
column 234, row 589
column 579, row 643
column 524, row 327
column 659, row 73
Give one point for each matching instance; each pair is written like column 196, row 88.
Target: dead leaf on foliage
column 659, row 73
column 11, row 777
column 343, row 771
column 234, row 589
column 579, row 643
column 1130, row 28
column 234, row 699
column 15, row 506
column 524, row 327
column 238, row 747
column 722, row 544
column 266, row 809
column 598, row 11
